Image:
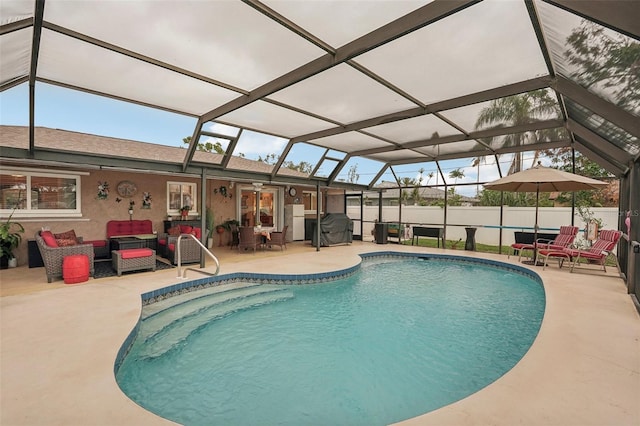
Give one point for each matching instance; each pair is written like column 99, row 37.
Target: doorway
column 353, row 206
column 258, row 206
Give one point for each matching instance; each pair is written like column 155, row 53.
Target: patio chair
column 599, row 251
column 249, row 239
column 235, row 239
column 190, row 250
column 562, row 240
column 53, row 257
column 278, row 238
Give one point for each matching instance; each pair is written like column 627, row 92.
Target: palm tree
column 456, row 174
column 404, row 195
column 516, row 110
column 476, row 163
column 429, row 177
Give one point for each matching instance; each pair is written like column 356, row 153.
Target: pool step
column 169, row 302
column 170, row 328
column 185, row 307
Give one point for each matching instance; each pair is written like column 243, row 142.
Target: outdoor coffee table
column 134, row 241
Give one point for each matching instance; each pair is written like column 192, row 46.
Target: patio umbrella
column 543, row 179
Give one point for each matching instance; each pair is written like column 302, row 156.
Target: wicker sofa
column 127, row 228
column 120, row 228
column 53, row 256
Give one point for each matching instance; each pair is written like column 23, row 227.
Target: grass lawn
column 457, row 245
column 482, row 248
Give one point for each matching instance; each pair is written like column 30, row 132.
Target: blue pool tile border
column 279, row 279
column 453, row 258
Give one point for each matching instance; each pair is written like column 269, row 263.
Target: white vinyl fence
column 485, row 219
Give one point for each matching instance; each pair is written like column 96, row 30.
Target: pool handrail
column 206, row 250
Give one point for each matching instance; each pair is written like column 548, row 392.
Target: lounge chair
column 599, row 251
column 562, row 240
column 596, row 254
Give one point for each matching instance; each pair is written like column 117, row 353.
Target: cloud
column 253, row 144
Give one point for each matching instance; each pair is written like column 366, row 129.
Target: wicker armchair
column 248, row 239
column 53, row 257
column 278, row 238
column 189, row 250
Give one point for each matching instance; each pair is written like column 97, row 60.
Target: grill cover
column 335, row 228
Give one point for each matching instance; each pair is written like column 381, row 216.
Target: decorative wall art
column 146, row 200
column 127, row 189
column 223, row 191
column 103, row 190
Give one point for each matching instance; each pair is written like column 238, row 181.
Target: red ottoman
column 133, row 260
column 75, row 268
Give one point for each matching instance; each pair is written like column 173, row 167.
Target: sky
column 66, row 109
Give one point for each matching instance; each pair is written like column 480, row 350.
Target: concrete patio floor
column 59, row 343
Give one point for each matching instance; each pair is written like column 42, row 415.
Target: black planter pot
column 4, row 262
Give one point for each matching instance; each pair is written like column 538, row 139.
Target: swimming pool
column 397, row 338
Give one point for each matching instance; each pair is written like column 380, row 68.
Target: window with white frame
column 181, row 194
column 38, row 194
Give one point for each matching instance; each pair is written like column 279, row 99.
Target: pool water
column 395, row 340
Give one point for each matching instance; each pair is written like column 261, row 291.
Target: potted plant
column 184, row 212
column 10, row 239
column 227, row 224
column 209, row 222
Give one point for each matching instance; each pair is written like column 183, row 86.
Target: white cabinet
column 294, row 219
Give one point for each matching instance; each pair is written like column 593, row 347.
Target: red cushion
column 554, row 253
column 162, row 242
column 552, row 247
column 519, row 246
column 172, row 247
column 197, row 232
column 174, row 231
column 135, row 253
column 49, row 239
column 97, row 243
column 186, row 229
column 129, row 227
column 586, row 254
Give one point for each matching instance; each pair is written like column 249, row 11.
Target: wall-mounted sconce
column 257, row 186
column 231, row 185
